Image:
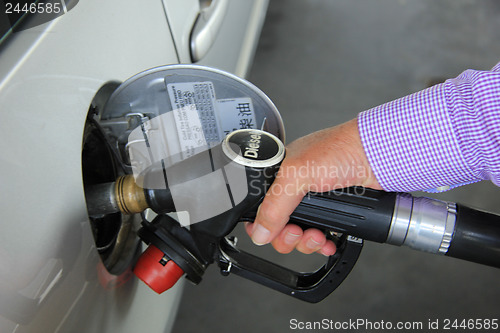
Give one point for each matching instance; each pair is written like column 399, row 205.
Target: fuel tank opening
column 143, row 129
column 102, row 163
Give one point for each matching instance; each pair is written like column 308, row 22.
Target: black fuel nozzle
column 216, row 187
column 232, row 177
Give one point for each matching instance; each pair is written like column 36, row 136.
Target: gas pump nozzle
column 347, row 216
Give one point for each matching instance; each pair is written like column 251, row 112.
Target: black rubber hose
column 476, row 237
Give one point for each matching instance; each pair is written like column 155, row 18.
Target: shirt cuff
column 411, row 145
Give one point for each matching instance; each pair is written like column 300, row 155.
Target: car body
column 52, row 277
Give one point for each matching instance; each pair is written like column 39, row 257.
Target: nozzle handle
column 356, row 211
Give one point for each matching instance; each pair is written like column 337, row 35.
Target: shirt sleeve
column 441, row 137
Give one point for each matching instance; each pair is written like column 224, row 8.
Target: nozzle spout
column 123, row 195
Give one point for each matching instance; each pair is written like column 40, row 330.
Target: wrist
column 367, row 176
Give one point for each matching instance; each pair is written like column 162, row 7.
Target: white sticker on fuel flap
column 189, row 129
column 195, row 106
column 234, row 114
column 202, row 96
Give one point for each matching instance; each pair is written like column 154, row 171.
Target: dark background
column 322, row 62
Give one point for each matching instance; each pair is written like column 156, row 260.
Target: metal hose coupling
column 422, row 223
column 130, row 197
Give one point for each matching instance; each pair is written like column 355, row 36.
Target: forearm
column 444, row 136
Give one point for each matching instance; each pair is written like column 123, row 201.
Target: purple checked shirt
column 439, row 138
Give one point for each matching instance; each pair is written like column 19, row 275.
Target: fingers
column 280, row 201
column 328, row 249
column 288, row 239
column 312, row 241
column 309, row 241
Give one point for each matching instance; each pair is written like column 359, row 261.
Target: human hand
column 322, row 161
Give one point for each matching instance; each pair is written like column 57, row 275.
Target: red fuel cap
column 156, row 270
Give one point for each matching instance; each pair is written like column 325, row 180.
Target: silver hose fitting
column 422, row 224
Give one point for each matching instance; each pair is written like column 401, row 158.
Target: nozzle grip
column 356, row 211
column 310, row 287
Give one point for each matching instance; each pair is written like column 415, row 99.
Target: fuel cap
column 253, row 148
column 158, row 271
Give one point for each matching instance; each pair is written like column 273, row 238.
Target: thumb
column 280, row 201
